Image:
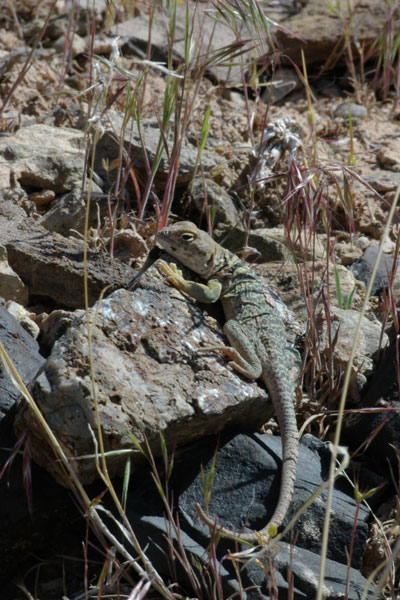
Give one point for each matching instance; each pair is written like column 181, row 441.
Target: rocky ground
column 292, row 164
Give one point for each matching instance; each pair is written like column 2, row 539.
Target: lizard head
column 191, row 246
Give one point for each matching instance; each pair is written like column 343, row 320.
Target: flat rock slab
column 317, row 30
column 148, row 378
column 52, row 267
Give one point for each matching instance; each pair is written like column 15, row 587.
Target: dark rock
column 381, row 428
column 303, row 567
column 385, row 375
column 154, row 526
column 52, row 528
column 244, row 491
column 24, row 353
column 246, row 488
column 362, row 269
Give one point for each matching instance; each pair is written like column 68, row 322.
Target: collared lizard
column 255, row 330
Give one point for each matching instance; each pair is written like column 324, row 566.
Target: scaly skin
column 256, row 332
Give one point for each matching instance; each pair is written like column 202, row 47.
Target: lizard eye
column 187, row 237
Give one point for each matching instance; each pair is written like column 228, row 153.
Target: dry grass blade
column 28, row 63
column 325, row 533
column 148, row 570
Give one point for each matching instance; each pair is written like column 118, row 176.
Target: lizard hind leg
column 242, row 353
column 246, row 350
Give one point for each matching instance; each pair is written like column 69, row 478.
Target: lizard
column 256, row 333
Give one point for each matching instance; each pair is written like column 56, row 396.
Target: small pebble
column 357, row 111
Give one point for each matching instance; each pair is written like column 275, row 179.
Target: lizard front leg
column 203, row 293
column 243, row 354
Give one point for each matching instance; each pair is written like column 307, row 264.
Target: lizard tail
column 290, row 445
column 290, row 449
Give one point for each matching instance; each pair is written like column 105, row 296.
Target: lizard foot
column 237, row 362
column 173, row 274
column 258, row 537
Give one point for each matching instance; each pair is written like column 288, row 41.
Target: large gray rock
column 143, row 148
column 148, row 378
column 41, row 156
column 362, row 269
column 336, row 338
